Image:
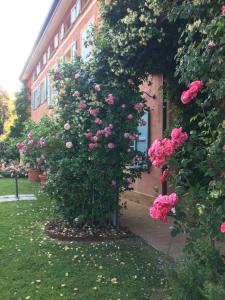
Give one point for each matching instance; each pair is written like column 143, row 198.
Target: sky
column 20, row 23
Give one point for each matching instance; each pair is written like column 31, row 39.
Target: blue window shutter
column 143, row 142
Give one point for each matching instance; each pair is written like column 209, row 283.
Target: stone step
column 22, row 197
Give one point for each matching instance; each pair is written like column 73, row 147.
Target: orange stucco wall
column 91, row 13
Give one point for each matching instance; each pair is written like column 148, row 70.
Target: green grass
column 33, row 266
column 8, row 187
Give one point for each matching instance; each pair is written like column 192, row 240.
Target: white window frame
column 44, row 59
column 73, row 50
column 38, row 68
column 49, row 53
column 62, row 31
column 56, row 41
column 75, row 11
column 86, row 50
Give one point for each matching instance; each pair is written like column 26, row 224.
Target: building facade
column 64, row 34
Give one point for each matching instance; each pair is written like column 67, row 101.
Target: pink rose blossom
column 93, row 111
column 88, row 134
column 98, row 121
column 123, row 106
column 139, row 107
column 126, row 135
column 194, row 88
column 76, row 94
column 30, row 134
column 222, row 227
column 211, row 45
column 92, row 146
column 130, row 117
column 224, row 147
column 94, row 139
column 223, row 9
column 111, row 145
column 160, row 151
column 110, row 99
column 97, row 88
column 178, row 137
column 82, row 105
column 107, row 131
column 69, row 145
column 162, row 206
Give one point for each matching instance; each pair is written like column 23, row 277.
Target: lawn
column 33, row 266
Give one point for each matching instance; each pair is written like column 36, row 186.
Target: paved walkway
column 155, row 233
column 9, row 198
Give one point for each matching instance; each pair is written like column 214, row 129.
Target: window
column 49, row 52
column 56, row 41
column 85, row 42
column 62, row 31
column 73, row 49
column 75, row 11
column 43, row 91
column 34, row 76
column 44, row 59
column 38, row 68
column 48, row 89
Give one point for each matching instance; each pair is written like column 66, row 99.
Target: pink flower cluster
column 93, row 111
column 162, row 149
column 94, row 138
column 178, row 137
column 222, row 227
column 29, row 144
column 131, row 137
column 162, row 206
column 223, row 9
column 110, row 99
column 139, row 107
column 194, row 88
column 98, row 121
column 82, row 105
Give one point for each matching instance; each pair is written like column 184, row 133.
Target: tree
column 7, row 115
column 22, row 109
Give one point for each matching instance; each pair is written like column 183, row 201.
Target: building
column 63, row 34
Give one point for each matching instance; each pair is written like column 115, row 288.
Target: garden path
column 136, row 218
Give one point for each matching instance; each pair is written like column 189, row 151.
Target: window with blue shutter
column 142, row 144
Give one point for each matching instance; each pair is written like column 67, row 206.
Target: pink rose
column 139, row 107
column 30, row 134
column 223, row 9
column 198, row 84
column 92, row 146
column 123, row 106
column 178, row 137
column 222, row 227
column 76, row 94
column 211, row 45
column 130, row 117
column 97, row 88
column 98, row 121
column 111, row 146
column 224, row 147
column 93, row 111
column 160, row 151
column 82, row 105
column 186, row 97
column 110, row 99
column 126, row 135
column 88, row 134
column 162, row 206
column 94, row 139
